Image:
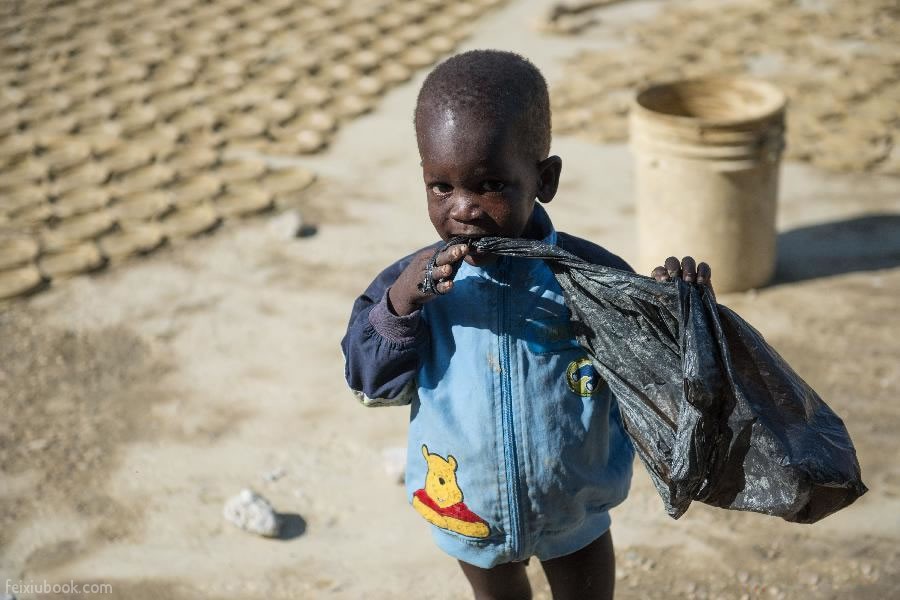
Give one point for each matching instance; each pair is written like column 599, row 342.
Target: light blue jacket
column 516, row 446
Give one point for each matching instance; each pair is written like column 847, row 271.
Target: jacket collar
column 542, row 226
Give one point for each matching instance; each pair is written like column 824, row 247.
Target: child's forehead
column 479, row 132
column 474, row 154
column 435, row 117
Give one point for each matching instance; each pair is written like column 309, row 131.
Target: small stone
column 812, row 579
column 38, row 444
column 394, row 462
column 275, row 474
column 252, row 513
column 866, row 569
column 743, row 576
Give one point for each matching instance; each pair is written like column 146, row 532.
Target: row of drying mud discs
column 137, row 222
column 294, row 117
column 115, row 119
column 285, row 93
column 837, row 63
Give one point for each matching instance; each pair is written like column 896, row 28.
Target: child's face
column 478, row 179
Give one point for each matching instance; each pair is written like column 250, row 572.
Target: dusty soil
column 136, row 401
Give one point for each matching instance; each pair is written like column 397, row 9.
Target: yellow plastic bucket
column 707, row 155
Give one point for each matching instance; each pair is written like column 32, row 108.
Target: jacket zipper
column 506, row 411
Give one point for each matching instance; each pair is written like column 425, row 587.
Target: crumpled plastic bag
column 715, row 414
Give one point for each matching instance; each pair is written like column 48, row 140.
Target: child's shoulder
column 591, row 252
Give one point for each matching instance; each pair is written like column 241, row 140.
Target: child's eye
column 441, row 188
column 492, row 185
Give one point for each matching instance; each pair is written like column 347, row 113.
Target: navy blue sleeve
column 381, row 349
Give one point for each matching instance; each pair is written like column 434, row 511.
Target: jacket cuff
column 405, row 329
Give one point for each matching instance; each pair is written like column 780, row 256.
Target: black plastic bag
column 715, row 414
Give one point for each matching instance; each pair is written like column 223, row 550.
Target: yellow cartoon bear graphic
column 440, row 501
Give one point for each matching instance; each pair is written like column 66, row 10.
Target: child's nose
column 465, row 208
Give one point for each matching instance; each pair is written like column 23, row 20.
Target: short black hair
column 494, row 85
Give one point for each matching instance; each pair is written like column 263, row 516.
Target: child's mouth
column 463, row 238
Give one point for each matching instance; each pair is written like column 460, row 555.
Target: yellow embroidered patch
column 582, row 377
column 440, row 501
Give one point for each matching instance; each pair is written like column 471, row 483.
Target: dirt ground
column 136, row 401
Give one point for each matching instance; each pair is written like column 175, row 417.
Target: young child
column 516, row 446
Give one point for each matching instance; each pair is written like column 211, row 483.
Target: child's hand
column 406, row 295
column 687, row 269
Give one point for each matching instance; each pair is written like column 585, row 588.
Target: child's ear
column 549, row 170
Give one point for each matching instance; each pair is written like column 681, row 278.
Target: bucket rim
column 777, row 102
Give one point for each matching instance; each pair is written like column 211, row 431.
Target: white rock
column 252, row 513
column 287, row 225
column 394, row 462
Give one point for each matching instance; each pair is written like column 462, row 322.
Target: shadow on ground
column 292, row 526
column 860, row 244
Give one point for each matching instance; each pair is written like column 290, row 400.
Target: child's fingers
column 446, row 265
column 660, row 274
column 704, row 274
column 689, row 269
column 453, row 254
column 442, row 272
column 673, row 267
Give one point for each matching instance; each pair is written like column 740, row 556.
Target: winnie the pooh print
column 440, row 501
